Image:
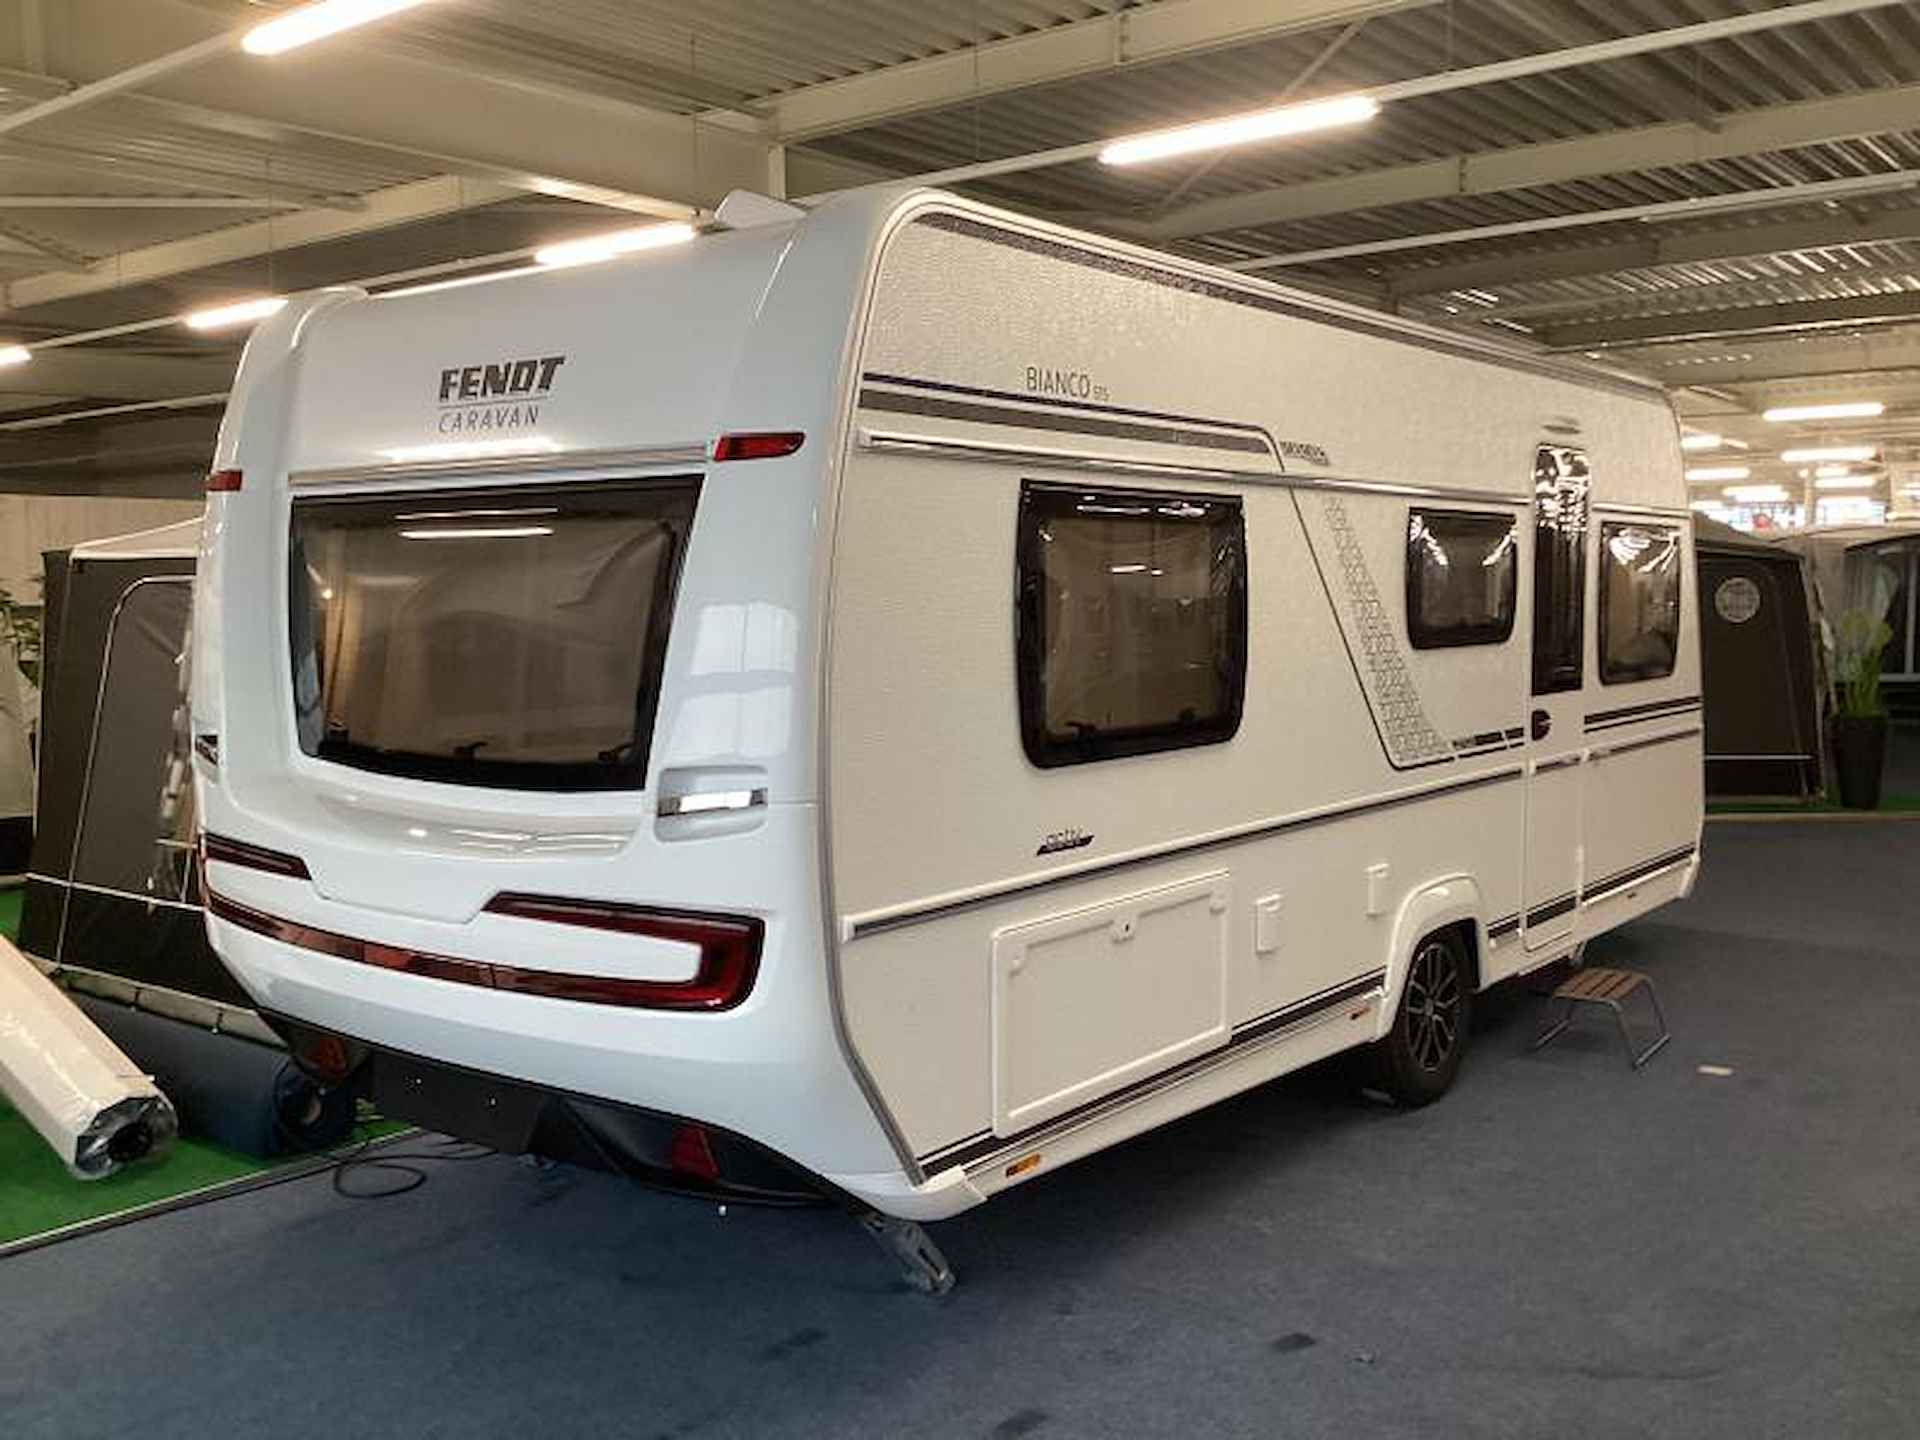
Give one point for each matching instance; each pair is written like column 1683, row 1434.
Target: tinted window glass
column 1463, row 571
column 1639, row 601
column 1559, row 568
column 500, row 637
column 1132, row 621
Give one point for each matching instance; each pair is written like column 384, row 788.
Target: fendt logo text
column 500, row 396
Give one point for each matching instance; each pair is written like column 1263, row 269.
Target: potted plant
column 21, row 626
column 1860, row 716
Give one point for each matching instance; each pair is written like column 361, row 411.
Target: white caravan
column 920, row 693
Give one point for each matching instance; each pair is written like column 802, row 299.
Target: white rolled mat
column 75, row 1086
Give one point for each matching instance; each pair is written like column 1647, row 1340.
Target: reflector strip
column 729, row 956
column 254, row 857
column 223, row 481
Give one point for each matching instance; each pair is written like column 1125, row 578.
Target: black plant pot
column 1859, row 757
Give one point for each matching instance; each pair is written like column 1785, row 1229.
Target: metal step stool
column 1601, row 986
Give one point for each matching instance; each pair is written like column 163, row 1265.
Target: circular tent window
column 1736, row 600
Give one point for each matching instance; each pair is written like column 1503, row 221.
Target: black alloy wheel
column 1419, row 1057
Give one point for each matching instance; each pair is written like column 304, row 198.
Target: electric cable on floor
column 405, row 1164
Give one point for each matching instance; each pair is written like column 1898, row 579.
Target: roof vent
column 745, row 209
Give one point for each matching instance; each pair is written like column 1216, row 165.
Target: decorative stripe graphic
column 1619, row 880
column 1404, row 726
column 1653, row 710
column 900, row 402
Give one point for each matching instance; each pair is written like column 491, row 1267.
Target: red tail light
column 254, row 857
column 729, row 953
column 758, row 445
column 692, row 1154
column 220, row 481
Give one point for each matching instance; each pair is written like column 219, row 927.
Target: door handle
column 1542, row 723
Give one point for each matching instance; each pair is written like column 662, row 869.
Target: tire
column 1416, row 1062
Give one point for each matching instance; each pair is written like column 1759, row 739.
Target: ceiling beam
column 356, row 148
column 1768, row 197
column 175, row 176
column 369, row 95
column 1739, row 321
column 163, row 454
column 111, row 375
column 141, row 202
column 132, row 77
column 1878, row 352
column 1748, row 132
column 55, row 254
column 1117, row 41
column 1674, row 294
column 1438, row 82
column 1659, row 247
column 397, row 205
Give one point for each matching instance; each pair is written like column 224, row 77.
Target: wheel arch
column 1450, row 902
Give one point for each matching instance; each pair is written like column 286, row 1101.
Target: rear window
column 501, row 637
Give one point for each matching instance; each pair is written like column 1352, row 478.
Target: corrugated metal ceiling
column 738, row 55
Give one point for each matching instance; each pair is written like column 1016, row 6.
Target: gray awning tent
column 113, row 896
column 1760, row 666
column 112, row 887
column 1863, row 567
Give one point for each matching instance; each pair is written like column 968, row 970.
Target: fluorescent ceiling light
column 1846, row 410
column 14, row 355
column 618, row 242
column 245, row 312
column 1757, row 494
column 1829, row 452
column 317, row 21
column 1844, row 481
column 1719, row 472
column 1699, row 442
column 1240, row 129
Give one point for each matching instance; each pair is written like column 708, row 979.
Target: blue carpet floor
column 1560, row 1247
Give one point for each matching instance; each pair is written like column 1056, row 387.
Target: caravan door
column 1556, row 743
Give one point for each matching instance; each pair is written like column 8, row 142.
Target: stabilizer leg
column 920, row 1260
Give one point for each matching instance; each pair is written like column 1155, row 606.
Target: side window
column 1560, row 481
column 1130, row 621
column 1639, row 600
column 1463, row 571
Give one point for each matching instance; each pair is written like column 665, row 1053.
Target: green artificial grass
column 37, row 1194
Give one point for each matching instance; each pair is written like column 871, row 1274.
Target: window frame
column 1042, row 500
column 679, row 494
column 1426, row 637
column 1611, row 673
column 1560, row 541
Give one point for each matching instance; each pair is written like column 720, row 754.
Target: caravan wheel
column 1421, row 1054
